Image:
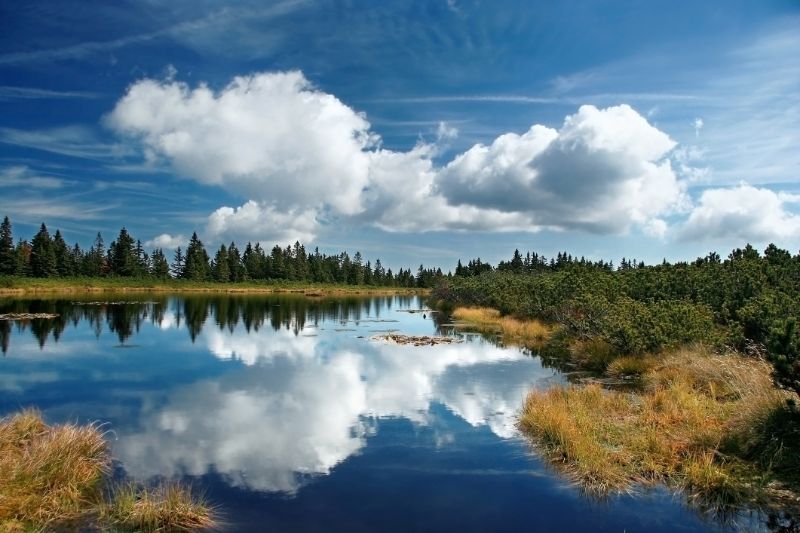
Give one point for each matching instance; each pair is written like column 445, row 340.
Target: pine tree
column 22, row 255
column 8, row 260
column 196, row 267
column 122, row 255
column 94, row 263
column 236, row 267
column 142, row 259
column 75, row 259
column 178, row 264
column 62, row 254
column 220, row 270
column 159, row 268
column 43, row 257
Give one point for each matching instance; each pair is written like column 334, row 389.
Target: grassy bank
column 529, row 333
column 20, row 285
column 56, row 476
column 708, row 423
column 696, row 426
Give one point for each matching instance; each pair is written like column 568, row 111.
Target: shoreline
column 27, row 287
column 707, row 424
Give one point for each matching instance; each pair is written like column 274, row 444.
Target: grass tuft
column 630, row 366
column 49, row 473
column 165, row 507
column 52, row 477
column 530, row 333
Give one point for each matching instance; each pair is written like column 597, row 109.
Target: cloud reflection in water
column 298, row 405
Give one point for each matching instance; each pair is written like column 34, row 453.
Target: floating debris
column 27, row 316
column 424, row 340
column 344, row 329
column 412, row 311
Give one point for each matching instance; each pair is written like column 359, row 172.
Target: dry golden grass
column 166, row 507
column 52, row 477
column 630, row 366
column 48, row 474
column 669, row 433
column 530, row 333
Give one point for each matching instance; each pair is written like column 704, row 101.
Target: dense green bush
column 749, row 301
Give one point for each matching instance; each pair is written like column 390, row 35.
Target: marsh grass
column 165, row 507
column 694, row 426
column 630, row 366
column 53, row 476
column 529, row 333
column 49, row 474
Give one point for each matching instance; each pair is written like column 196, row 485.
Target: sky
column 412, row 131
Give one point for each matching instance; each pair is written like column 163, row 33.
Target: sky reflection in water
column 280, row 407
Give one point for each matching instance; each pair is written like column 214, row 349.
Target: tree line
column 46, row 256
column 749, row 301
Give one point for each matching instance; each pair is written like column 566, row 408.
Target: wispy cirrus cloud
column 181, row 30
column 576, row 99
column 74, row 141
column 10, row 93
column 22, row 176
column 33, row 210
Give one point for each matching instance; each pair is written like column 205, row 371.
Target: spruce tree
column 178, row 264
column 196, row 267
column 221, row 271
column 62, row 254
column 122, row 255
column 43, row 257
column 235, row 264
column 22, row 255
column 159, row 268
column 94, row 262
column 8, row 260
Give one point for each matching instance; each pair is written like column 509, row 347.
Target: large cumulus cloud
column 748, row 213
column 603, row 171
column 299, row 159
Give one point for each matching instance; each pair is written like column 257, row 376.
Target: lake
column 290, row 416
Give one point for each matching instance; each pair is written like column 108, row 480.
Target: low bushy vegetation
column 53, row 477
column 749, row 302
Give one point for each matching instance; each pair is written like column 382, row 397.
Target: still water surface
column 291, row 417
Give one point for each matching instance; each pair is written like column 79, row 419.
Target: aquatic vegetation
column 691, row 428
column 52, row 476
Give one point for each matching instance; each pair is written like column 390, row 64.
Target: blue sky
column 413, row 131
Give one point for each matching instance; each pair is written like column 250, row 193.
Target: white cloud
column 167, row 241
column 263, row 223
column 270, row 137
column 22, row 176
column 74, row 141
column 697, row 125
column 754, row 214
column 300, row 156
column 603, row 171
column 9, row 93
